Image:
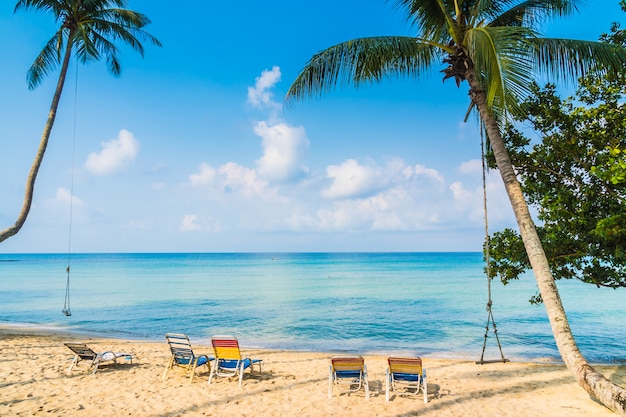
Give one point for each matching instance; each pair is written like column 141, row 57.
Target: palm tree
column 89, row 29
column 495, row 46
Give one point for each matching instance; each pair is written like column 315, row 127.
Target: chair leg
column 366, row 384
column 95, row 365
column 74, row 362
column 167, row 368
column 193, row 370
column 241, row 372
column 330, row 382
column 212, row 371
column 425, row 388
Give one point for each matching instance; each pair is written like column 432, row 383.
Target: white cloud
column 400, row 206
column 205, row 176
column 189, row 223
column 230, row 178
column 260, row 95
column 424, row 172
column 193, row 223
column 471, row 167
column 115, row 154
column 239, row 178
column 463, row 197
column 63, row 195
column 361, row 214
column 283, row 148
column 471, row 201
column 350, row 179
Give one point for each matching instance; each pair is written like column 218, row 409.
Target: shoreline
column 292, row 383
column 492, row 355
column 52, row 330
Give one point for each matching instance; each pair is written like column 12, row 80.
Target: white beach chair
column 82, row 352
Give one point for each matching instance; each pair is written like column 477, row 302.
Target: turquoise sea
column 430, row 304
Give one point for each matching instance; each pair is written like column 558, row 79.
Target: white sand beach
column 34, row 382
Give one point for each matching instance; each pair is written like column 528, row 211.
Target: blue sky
column 191, row 150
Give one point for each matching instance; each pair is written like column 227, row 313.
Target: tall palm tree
column 88, row 29
column 496, row 47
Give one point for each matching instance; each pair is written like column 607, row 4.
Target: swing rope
column 490, row 320
column 66, row 307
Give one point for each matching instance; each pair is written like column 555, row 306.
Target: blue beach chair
column 228, row 359
column 406, row 376
column 183, row 355
column 349, row 372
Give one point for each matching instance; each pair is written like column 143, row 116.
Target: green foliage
column 576, row 178
column 89, row 29
column 495, row 42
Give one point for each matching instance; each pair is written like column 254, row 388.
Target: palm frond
column 46, row 61
column 503, row 63
column 432, row 18
column 95, row 26
column 363, row 60
column 41, row 5
column 567, row 59
column 128, row 25
column 531, row 13
column 83, row 45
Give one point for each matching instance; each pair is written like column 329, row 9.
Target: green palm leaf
column 503, row 63
column 363, row 60
column 566, row 59
column 90, row 28
column 46, row 61
column 531, row 13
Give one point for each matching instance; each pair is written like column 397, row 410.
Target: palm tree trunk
column 43, row 144
column 609, row 394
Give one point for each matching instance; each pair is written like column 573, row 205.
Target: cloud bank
column 353, row 194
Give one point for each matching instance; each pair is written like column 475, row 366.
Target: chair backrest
column 82, row 350
column 226, row 347
column 405, row 365
column 348, row 363
column 180, row 346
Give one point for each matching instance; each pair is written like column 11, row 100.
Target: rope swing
column 490, row 320
column 66, row 306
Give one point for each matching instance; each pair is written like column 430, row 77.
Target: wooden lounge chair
column 183, row 355
column 349, row 372
column 228, row 359
column 82, row 352
column 406, row 376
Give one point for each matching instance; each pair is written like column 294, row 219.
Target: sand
column 34, row 382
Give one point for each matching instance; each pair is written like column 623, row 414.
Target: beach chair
column 183, row 355
column 406, row 376
column 82, row 352
column 349, row 372
column 228, row 359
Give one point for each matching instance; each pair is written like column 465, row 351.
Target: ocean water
column 431, row 304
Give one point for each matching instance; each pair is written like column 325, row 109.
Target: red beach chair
column 228, row 359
